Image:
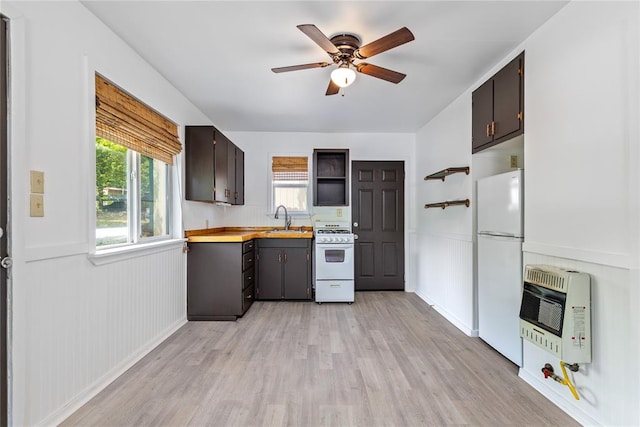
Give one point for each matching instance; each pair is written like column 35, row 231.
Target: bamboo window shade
column 124, row 120
column 290, row 168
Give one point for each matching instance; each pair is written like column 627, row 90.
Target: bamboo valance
column 289, row 164
column 124, row 120
column 290, row 168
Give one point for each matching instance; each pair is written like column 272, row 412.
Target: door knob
column 355, row 224
column 6, row 262
column 355, row 236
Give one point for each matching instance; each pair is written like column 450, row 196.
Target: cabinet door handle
column 487, row 130
column 279, row 257
column 285, row 257
column 493, row 128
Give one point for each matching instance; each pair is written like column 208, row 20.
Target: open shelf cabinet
column 331, row 177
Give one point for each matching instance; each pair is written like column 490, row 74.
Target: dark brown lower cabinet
column 220, row 280
column 284, row 269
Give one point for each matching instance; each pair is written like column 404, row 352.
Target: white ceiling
column 219, row 54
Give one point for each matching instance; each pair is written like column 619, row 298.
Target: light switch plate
column 513, row 161
column 37, row 182
column 37, row 205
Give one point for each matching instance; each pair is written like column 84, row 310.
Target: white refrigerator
column 500, row 235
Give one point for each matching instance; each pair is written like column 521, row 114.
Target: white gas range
column 334, row 262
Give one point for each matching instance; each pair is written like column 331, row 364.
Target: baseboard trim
column 450, row 317
column 554, row 397
column 58, row 416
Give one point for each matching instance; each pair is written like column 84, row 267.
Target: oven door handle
column 333, row 246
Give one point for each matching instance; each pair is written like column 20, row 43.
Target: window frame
column 134, row 204
column 101, row 255
column 272, row 186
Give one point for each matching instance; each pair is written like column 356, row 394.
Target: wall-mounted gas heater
column 555, row 313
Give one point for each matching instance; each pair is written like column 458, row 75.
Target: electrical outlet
column 37, row 182
column 37, row 205
column 339, row 213
column 514, row 161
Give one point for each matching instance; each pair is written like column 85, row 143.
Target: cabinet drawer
column 247, row 298
column 248, row 246
column 248, row 260
column 248, row 278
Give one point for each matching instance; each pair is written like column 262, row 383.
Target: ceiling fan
column 344, row 49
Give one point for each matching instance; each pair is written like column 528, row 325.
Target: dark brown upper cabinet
column 214, row 167
column 331, row 177
column 497, row 107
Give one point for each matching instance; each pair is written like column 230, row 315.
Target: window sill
column 107, row 256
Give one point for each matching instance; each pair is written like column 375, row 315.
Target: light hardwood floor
column 387, row 360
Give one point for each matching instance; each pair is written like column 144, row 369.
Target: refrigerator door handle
column 496, row 233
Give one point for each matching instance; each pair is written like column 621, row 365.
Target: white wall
column 581, row 195
column 581, row 199
column 75, row 326
column 444, row 239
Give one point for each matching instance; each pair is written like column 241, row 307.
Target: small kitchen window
column 290, row 183
column 135, row 147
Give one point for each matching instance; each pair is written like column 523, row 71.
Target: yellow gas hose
column 567, row 381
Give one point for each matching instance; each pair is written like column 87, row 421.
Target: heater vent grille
column 548, row 279
column 555, row 313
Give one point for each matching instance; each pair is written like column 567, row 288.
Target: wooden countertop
column 242, row 234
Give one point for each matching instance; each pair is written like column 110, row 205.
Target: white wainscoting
column 77, row 326
column 444, row 270
column 608, row 387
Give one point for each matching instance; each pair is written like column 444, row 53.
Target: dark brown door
column 507, row 99
column 378, row 221
column 199, row 161
column 482, row 114
column 269, row 273
column 4, row 135
column 296, row 273
column 222, row 168
column 239, row 170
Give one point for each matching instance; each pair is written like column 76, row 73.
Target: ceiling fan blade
column 397, row 38
column 300, row 67
column 333, row 88
column 318, row 36
column 379, row 72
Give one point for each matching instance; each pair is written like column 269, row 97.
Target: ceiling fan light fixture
column 343, row 76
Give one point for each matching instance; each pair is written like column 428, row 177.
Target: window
column 134, row 155
column 290, row 183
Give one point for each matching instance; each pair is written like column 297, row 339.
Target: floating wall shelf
column 444, row 172
column 444, row 205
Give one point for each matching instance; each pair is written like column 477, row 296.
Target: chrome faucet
column 287, row 220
